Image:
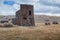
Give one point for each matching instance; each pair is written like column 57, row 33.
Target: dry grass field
column 38, row 32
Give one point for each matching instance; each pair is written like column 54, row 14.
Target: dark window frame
column 29, row 12
column 24, row 18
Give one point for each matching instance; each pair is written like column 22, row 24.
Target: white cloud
column 38, row 6
column 35, row 0
column 7, row 12
column 48, row 14
column 16, row 6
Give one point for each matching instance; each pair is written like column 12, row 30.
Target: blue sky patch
column 9, row 2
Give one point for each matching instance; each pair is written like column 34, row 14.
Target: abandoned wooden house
column 25, row 16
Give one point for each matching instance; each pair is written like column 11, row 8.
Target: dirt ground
column 38, row 32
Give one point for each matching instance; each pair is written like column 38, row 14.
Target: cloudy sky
column 42, row 7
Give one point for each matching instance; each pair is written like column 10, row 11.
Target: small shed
column 47, row 22
column 55, row 22
column 4, row 19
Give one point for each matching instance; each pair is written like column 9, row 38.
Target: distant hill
column 42, row 18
